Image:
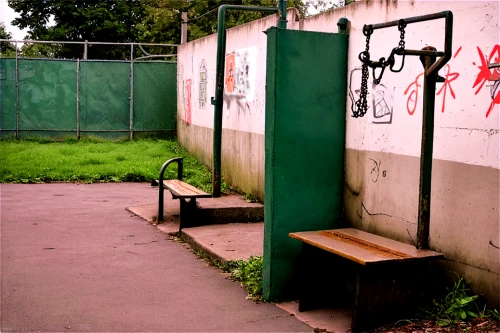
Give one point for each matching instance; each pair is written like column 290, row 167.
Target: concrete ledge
column 227, row 242
column 228, row 209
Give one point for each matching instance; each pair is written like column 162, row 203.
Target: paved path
column 74, row 260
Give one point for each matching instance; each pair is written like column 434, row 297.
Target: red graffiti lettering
column 229, row 77
column 413, row 97
column 485, row 74
column 450, row 77
column 187, row 110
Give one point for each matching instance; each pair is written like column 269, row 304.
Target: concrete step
column 226, row 242
column 229, row 208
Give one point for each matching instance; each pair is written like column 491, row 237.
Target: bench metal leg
column 160, row 203
column 188, row 213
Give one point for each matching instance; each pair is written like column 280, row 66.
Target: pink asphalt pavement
column 74, row 260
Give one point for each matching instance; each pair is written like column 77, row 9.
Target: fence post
column 78, row 99
column 85, row 50
column 131, row 90
column 17, row 94
column 184, row 27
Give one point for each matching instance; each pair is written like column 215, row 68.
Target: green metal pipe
column 217, row 101
column 282, row 6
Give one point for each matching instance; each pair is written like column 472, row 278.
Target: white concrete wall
column 383, row 148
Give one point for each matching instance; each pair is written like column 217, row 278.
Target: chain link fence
column 68, row 89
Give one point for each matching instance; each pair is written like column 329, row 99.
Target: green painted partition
column 306, row 89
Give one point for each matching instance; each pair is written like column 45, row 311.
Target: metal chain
column 361, row 103
column 401, row 28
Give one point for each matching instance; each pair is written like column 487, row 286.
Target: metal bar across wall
column 430, row 77
column 81, row 43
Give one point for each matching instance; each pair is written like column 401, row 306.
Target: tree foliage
column 146, row 21
column 79, row 20
column 129, row 20
column 326, row 5
column 6, row 49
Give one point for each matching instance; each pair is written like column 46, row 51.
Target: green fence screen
column 63, row 98
column 8, row 96
column 105, row 97
column 155, row 97
column 47, row 95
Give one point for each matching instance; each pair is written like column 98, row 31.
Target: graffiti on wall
column 354, row 93
column 486, row 74
column 202, row 88
column 239, row 79
column 180, row 86
column 382, row 98
column 187, row 102
column 412, row 101
column 382, row 104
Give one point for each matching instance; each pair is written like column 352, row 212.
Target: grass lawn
column 93, row 160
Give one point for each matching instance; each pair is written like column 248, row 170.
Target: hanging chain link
column 401, row 28
column 362, row 103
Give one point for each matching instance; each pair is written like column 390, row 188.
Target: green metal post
column 282, row 6
column 342, row 25
column 217, row 101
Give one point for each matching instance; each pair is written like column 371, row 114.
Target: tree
column 6, row 48
column 163, row 17
column 80, row 20
column 148, row 21
column 326, row 5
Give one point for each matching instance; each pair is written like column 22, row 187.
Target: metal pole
column 184, row 27
column 424, row 198
column 430, row 77
column 131, row 91
column 282, row 6
column 78, row 98
column 17, row 93
column 85, row 49
column 217, row 101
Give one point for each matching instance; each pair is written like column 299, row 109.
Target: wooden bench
column 382, row 279
column 179, row 190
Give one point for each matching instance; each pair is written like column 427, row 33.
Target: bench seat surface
column 183, row 190
column 362, row 247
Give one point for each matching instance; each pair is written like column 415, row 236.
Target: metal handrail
column 160, row 182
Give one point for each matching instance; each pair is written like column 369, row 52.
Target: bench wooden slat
column 183, row 190
column 402, row 249
column 361, row 247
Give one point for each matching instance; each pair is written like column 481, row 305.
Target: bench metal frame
column 187, row 208
column 161, row 200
